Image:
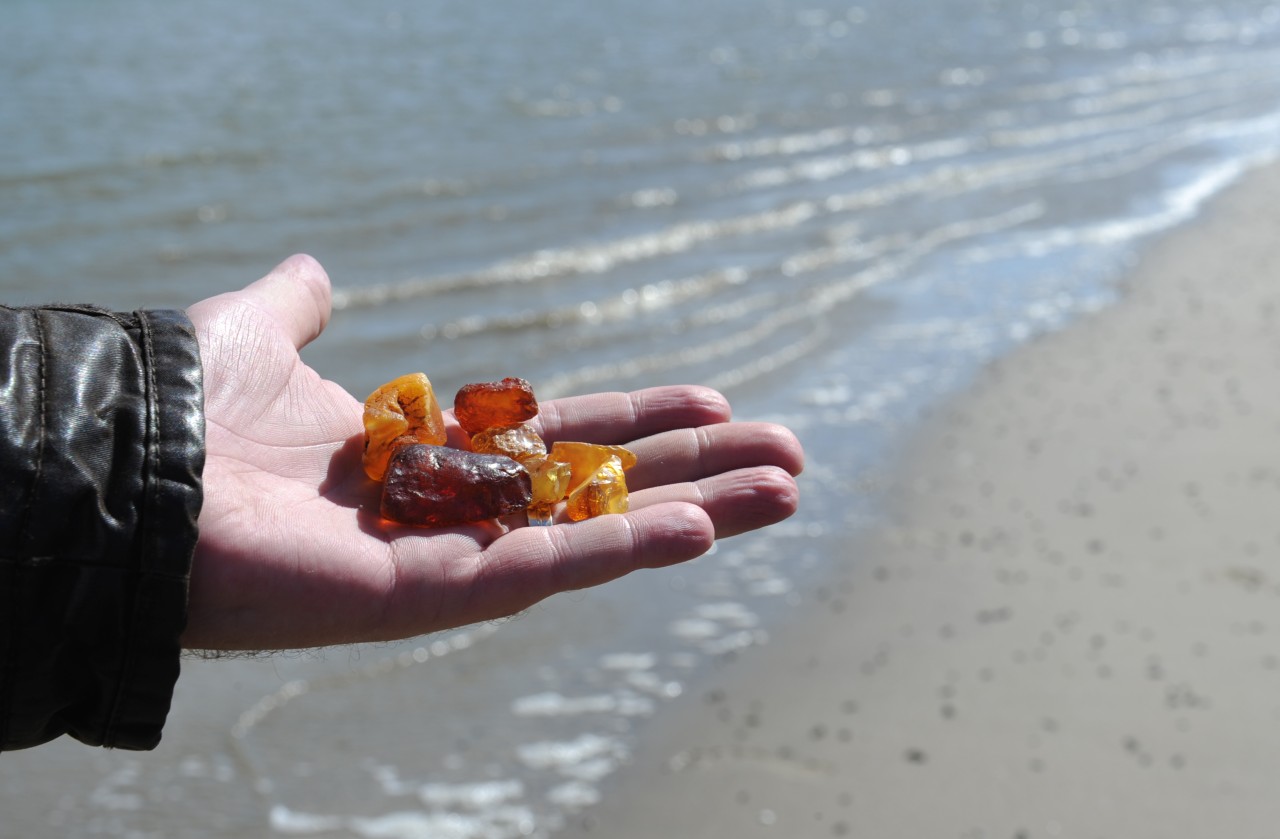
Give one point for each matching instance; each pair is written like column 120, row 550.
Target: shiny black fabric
column 101, row 454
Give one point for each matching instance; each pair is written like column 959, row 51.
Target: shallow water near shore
column 836, row 213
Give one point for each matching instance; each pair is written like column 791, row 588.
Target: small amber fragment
column 586, row 458
column 604, row 492
column 518, row 442
column 550, row 485
column 403, row 406
column 434, row 486
column 494, row 404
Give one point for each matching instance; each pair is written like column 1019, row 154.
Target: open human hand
column 292, row 552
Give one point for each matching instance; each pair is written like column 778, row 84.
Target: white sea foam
column 484, row 795
column 564, row 755
column 554, row 704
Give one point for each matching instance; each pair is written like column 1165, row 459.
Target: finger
column 532, row 563
column 297, row 296
column 688, row 454
column 736, row 502
column 614, row 418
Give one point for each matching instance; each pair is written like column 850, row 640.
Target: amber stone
column 434, row 486
column 405, row 406
column 550, row 481
column 605, row 491
column 586, row 458
column 494, row 405
column 550, row 485
column 518, row 442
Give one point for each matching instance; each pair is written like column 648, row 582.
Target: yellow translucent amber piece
column 587, row 458
column 405, row 406
column 518, row 442
column 605, row 491
column 550, row 481
column 550, row 485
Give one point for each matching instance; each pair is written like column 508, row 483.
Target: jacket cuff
column 171, row 502
column 102, row 457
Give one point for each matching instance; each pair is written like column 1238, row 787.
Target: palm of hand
column 293, row 554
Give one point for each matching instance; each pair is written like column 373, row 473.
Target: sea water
column 836, row 212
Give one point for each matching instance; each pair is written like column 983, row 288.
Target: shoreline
column 1061, row 625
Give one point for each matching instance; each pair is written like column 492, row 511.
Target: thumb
column 249, row 339
column 297, row 296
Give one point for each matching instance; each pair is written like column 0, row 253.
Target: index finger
column 619, row 418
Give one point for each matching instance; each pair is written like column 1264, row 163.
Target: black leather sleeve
column 101, row 454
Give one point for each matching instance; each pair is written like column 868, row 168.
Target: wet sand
column 1067, row 623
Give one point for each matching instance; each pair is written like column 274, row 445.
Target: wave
column 590, row 259
column 811, row 307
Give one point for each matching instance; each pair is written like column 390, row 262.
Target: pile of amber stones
column 507, row 469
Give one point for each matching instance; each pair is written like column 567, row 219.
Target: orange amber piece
column 586, row 458
column 518, row 442
column 604, row 492
column 405, row 406
column 494, row 404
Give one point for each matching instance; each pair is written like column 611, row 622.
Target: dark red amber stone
column 435, row 486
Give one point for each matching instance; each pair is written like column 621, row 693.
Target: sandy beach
column 1067, row 623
